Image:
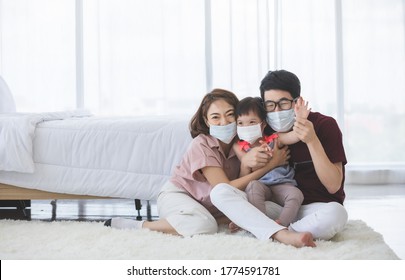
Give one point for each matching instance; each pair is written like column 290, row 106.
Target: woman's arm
column 216, row 175
column 244, row 170
column 330, row 174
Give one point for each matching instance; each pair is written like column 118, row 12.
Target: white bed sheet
column 17, row 135
column 126, row 157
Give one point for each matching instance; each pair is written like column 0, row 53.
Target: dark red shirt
column 330, row 136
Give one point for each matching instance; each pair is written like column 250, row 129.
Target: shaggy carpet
column 70, row 240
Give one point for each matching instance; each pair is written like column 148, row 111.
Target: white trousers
column 235, row 205
column 323, row 220
column 185, row 214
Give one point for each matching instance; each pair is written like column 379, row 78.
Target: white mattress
column 126, row 157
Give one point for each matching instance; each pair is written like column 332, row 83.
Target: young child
column 277, row 185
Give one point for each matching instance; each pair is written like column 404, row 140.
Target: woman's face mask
column 250, row 133
column 281, row 121
column 224, row 133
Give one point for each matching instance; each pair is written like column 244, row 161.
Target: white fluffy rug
column 91, row 240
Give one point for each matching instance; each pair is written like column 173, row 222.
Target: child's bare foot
column 296, row 239
column 233, row 227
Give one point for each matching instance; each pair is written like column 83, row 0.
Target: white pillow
column 7, row 104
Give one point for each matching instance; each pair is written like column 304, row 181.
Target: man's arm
column 330, row 174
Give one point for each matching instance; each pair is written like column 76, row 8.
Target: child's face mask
column 250, row 133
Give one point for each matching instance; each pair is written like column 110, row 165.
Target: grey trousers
column 286, row 195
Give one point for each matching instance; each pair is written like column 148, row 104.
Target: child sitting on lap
column 278, row 185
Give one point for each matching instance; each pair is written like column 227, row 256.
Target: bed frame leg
column 53, row 203
column 22, row 206
column 148, row 211
column 138, row 206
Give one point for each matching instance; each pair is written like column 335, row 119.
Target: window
column 37, row 53
column 160, row 57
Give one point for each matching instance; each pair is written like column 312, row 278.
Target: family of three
column 266, row 165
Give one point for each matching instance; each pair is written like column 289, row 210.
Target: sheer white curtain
column 159, row 57
column 308, row 48
column 241, row 44
column 143, row 57
column 374, row 71
column 350, row 57
column 37, row 54
column 373, row 62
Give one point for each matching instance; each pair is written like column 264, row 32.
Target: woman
column 184, row 203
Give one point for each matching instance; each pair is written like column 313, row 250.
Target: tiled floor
column 381, row 207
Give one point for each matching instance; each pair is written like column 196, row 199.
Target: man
column 318, row 159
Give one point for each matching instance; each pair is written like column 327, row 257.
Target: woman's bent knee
column 193, row 221
column 206, row 227
column 222, row 191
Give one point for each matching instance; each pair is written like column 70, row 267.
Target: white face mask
column 250, row 133
column 224, row 133
column 281, row 121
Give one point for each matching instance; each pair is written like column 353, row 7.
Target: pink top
column 204, row 151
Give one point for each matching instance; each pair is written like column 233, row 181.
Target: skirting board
column 375, row 174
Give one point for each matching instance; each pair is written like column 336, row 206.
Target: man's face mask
column 281, row 121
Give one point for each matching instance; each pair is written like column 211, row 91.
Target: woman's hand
column 257, row 157
column 216, row 175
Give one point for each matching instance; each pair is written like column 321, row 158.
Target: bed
column 74, row 155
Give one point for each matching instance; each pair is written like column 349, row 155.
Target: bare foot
column 296, row 239
column 233, row 227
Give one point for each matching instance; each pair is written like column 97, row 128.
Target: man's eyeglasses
column 283, row 104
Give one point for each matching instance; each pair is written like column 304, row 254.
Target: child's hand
column 301, row 108
column 266, row 147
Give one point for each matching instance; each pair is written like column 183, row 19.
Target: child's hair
column 198, row 123
column 251, row 104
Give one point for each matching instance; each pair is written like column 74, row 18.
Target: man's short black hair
column 282, row 80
